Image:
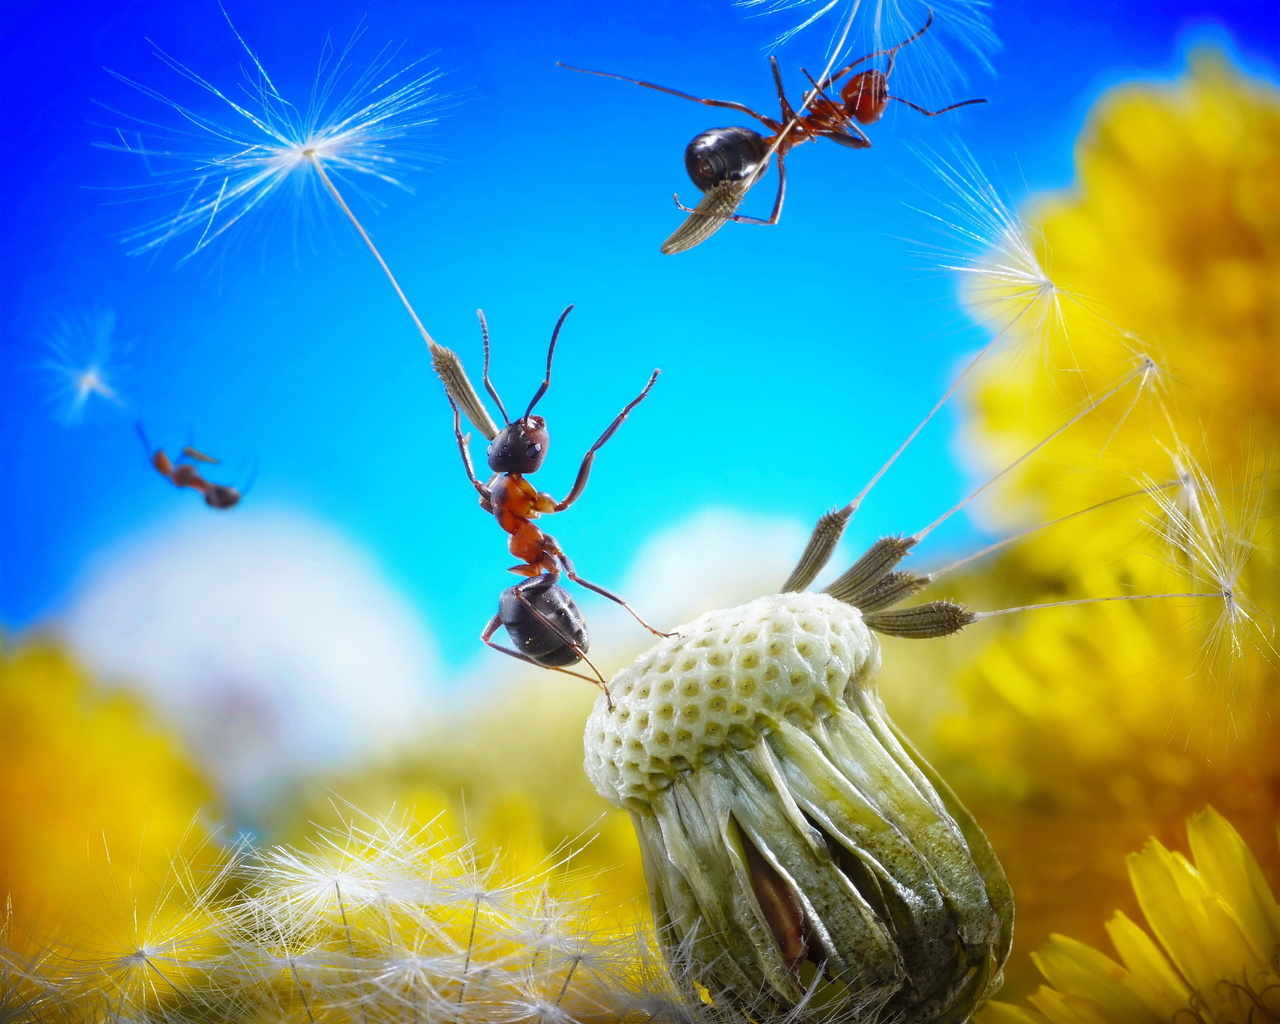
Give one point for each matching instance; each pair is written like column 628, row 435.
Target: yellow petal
column 1062, row 1009
column 1076, row 969
column 1151, row 976
column 1006, row 1013
column 1230, row 869
column 1155, row 879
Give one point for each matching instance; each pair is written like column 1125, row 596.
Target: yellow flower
column 1211, row 954
column 120, row 909
column 1075, row 733
column 98, row 803
column 536, row 722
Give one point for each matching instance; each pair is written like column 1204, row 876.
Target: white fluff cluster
column 381, row 922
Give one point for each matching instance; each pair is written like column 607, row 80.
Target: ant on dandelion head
column 540, row 617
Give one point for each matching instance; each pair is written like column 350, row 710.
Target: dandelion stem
column 1014, row 538
column 447, row 365
column 302, row 995
column 466, row 964
column 567, row 979
column 1093, row 600
column 1139, row 371
column 432, row 344
column 946, row 397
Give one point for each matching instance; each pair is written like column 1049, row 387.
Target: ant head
column 721, row 155
column 221, row 496
column 866, row 95
column 519, row 447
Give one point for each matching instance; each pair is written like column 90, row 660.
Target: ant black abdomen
column 543, row 622
column 721, row 155
column 221, row 496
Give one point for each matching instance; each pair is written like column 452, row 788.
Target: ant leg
column 551, row 351
column 511, row 652
column 584, row 471
column 934, row 113
column 742, row 218
column 572, row 574
column 777, row 201
column 481, row 489
column 727, row 104
column 573, row 645
column 484, row 333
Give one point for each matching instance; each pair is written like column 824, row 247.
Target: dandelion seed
column 1006, row 280
column 1212, row 545
column 356, row 124
column 81, row 365
column 354, row 127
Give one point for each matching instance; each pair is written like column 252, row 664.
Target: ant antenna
column 551, row 351
column 484, row 333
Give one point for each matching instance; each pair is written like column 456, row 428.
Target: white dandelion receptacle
column 802, row 858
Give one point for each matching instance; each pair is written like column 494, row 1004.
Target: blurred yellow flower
column 120, row 908
column 1076, row 732
column 98, row 804
column 1212, row 953
column 511, row 767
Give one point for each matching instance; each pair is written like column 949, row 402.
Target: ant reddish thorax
column 538, row 614
column 724, row 163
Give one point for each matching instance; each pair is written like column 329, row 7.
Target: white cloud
column 714, row 559
column 273, row 642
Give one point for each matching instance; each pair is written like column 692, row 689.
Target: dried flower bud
column 803, row 860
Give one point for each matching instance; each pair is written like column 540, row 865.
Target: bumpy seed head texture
column 803, row 860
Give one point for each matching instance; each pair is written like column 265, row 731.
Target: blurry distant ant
column 725, row 162
column 539, row 615
column 183, row 473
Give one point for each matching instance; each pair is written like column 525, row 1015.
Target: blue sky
column 793, row 357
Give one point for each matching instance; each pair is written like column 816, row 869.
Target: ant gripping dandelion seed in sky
column 725, row 163
column 338, row 139
column 539, row 615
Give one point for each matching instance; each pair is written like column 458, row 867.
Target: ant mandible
column 183, row 473
column 726, row 162
column 539, row 615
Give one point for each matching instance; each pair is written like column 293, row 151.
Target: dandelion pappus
column 726, row 162
column 182, row 472
column 541, row 618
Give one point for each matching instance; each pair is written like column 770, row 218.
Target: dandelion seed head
column 80, row 364
column 1003, row 261
column 1212, row 544
column 225, row 162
